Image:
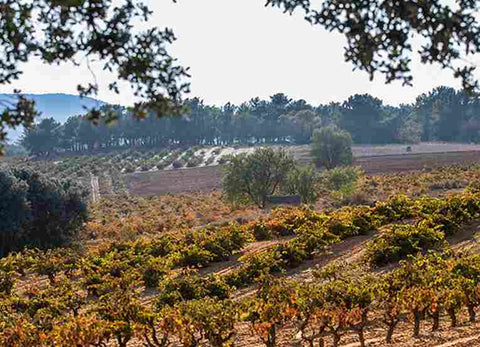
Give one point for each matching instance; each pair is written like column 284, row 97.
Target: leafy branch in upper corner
column 74, row 31
column 380, row 34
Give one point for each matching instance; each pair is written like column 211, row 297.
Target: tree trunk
column 453, row 317
column 272, row 336
column 436, row 320
column 361, row 337
column 359, row 328
column 471, row 313
column 416, row 320
column 391, row 328
column 336, row 339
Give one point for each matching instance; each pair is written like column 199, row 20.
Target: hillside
column 81, row 288
column 59, row 106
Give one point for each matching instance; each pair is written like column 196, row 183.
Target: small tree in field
column 252, row 177
column 302, row 181
column 331, row 147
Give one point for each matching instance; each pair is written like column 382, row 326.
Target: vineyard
column 156, row 172
column 378, row 259
column 155, row 218
column 123, row 216
column 238, row 281
column 124, row 162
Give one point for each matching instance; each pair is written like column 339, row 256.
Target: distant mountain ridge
column 56, row 105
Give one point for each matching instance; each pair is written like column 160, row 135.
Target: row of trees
column 444, row 114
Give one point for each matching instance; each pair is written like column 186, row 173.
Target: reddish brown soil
column 209, row 178
column 175, row 181
column 410, row 162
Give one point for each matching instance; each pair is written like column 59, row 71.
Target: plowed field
column 209, row 178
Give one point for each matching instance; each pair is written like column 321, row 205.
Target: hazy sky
column 238, row 49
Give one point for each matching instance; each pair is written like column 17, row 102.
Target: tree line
column 444, row 114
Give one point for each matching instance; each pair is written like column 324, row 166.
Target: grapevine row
column 93, row 298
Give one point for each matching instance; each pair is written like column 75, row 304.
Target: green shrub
column 154, row 271
column 302, row 181
column 331, row 147
column 261, row 232
column 254, row 267
column 223, row 242
column 341, row 179
column 352, row 221
column 398, row 207
column 177, row 164
column 292, row 253
column 189, row 286
column 253, row 177
column 194, row 161
column 195, row 255
column 158, row 247
column 7, row 282
column 401, row 240
column 453, row 211
column 38, row 211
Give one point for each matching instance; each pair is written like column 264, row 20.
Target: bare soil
column 209, row 178
column 202, row 179
column 412, row 162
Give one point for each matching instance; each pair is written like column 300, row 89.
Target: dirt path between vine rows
column 95, row 188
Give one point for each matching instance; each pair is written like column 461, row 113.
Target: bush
column 261, row 232
column 302, row 181
column 188, row 286
column 195, row 161
column 331, row 147
column 39, row 212
column 253, row 177
column 352, row 221
column 401, row 240
column 254, row 266
column 194, row 255
column 398, row 207
column 341, row 179
column 154, row 271
column 177, row 164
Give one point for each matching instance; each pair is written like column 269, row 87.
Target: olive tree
column 331, row 147
column 253, row 177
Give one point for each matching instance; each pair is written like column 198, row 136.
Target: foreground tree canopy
column 379, row 36
column 81, row 30
column 39, row 212
column 379, row 33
